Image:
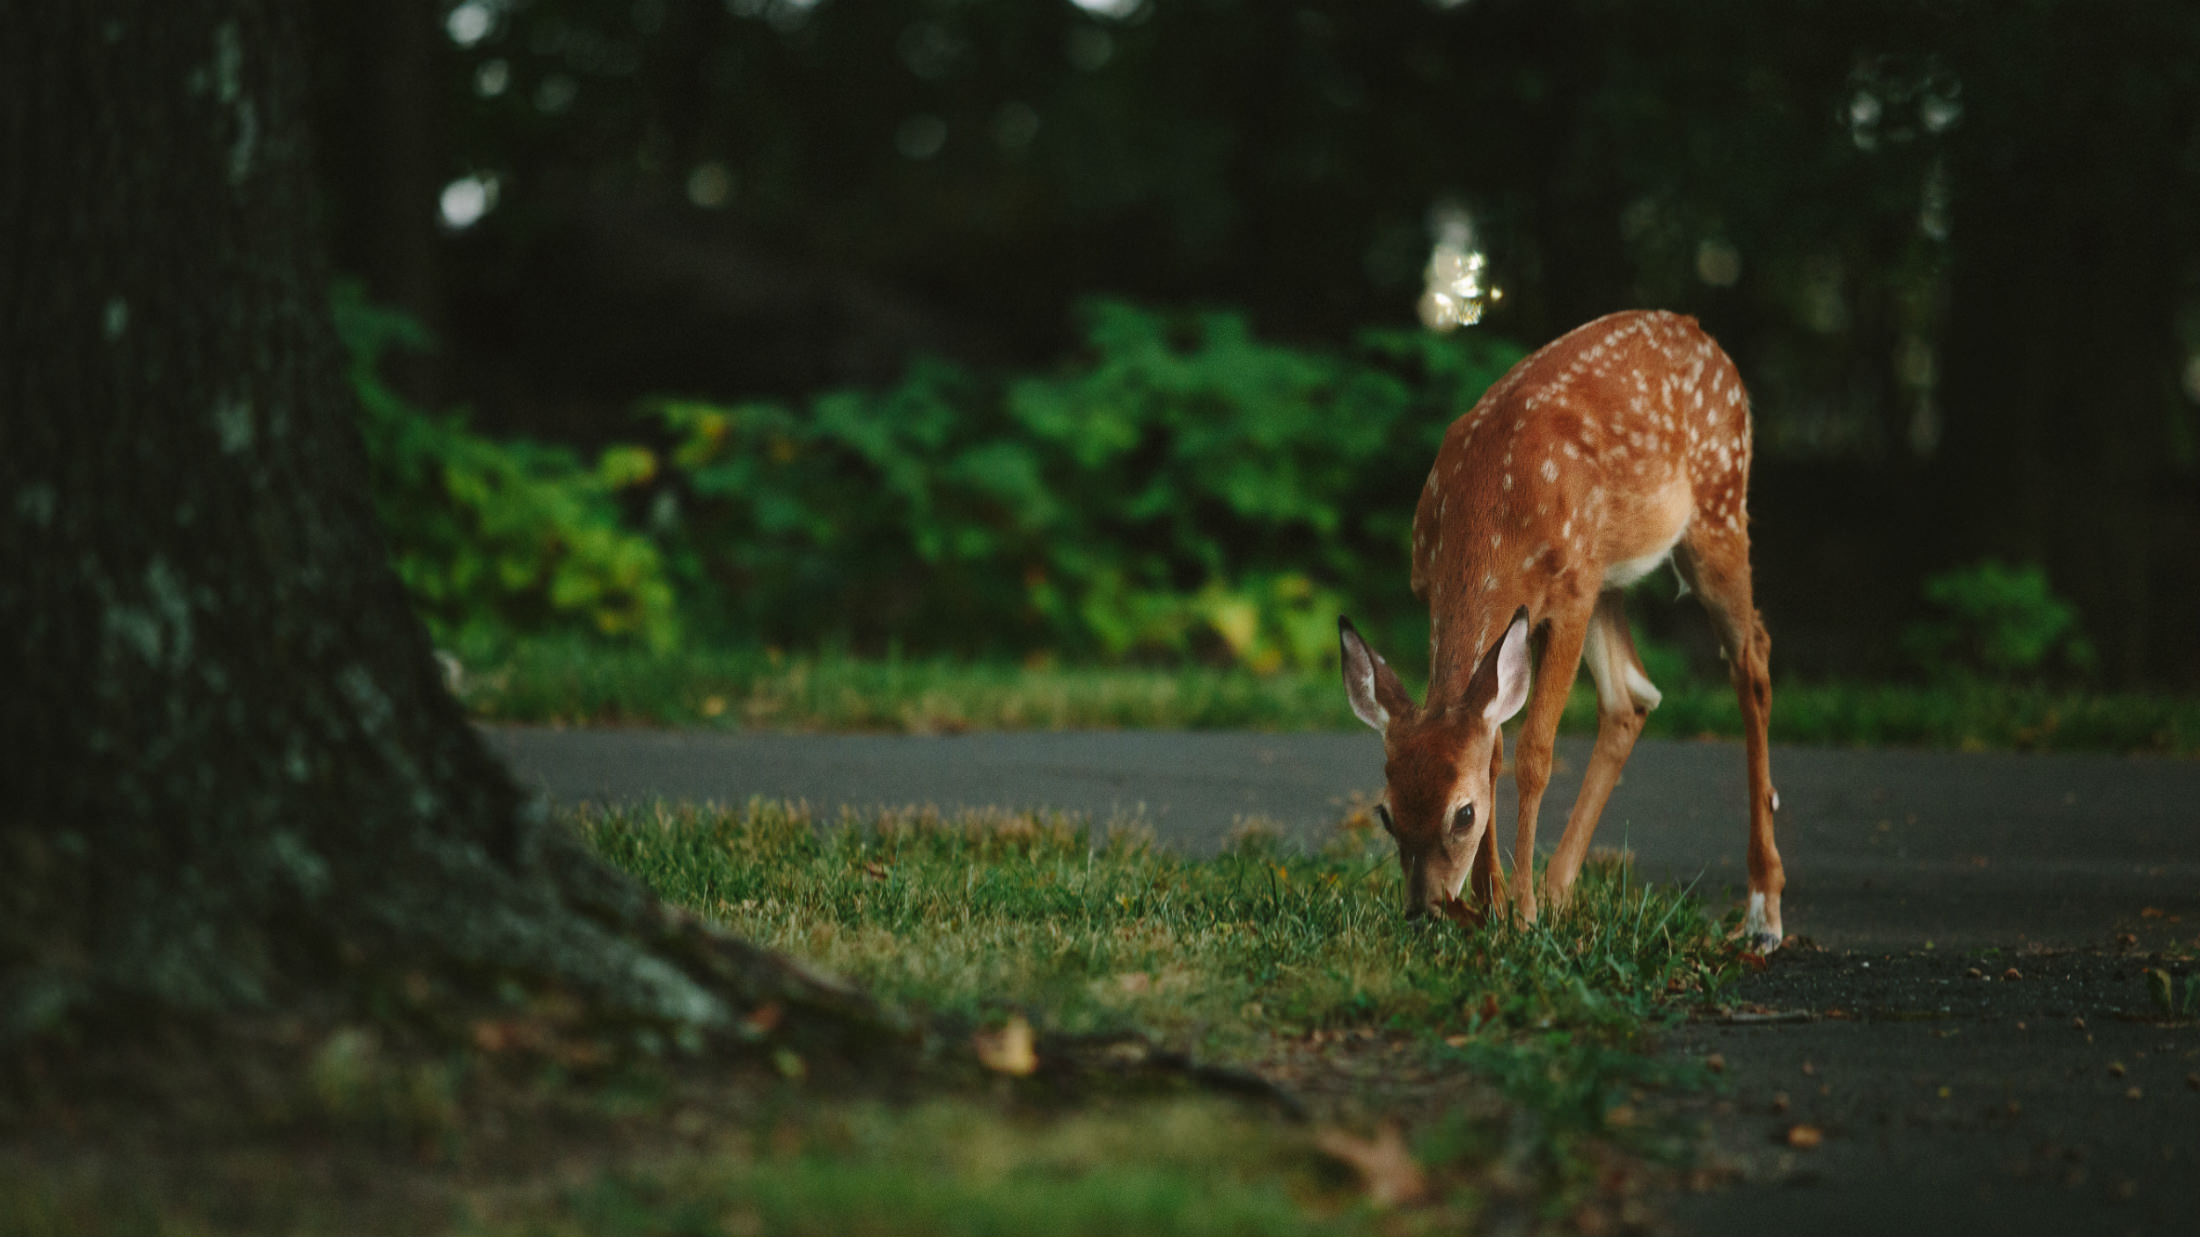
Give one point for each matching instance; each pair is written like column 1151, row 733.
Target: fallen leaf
column 2158, row 987
column 1387, row 1170
column 1805, row 1137
column 1007, row 1050
column 765, row 1018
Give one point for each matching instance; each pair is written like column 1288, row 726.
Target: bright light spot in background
column 470, row 23
column 491, row 78
column 1939, row 113
column 1718, row 262
column 710, row 185
column 467, row 199
column 1864, row 109
column 1120, row 10
column 921, row 136
column 1456, row 294
column 2192, row 378
column 1864, row 112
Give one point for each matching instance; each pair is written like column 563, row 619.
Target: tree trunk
column 233, row 777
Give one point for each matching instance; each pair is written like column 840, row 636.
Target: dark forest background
column 1953, row 247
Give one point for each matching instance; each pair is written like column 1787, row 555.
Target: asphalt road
column 1883, row 848
column 1959, row 1040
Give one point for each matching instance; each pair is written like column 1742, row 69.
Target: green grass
column 1516, row 1065
column 981, row 912
column 1513, row 1057
column 579, row 684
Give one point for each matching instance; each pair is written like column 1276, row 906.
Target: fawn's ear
column 1500, row 683
column 1370, row 684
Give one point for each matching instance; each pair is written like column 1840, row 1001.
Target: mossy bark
column 233, row 776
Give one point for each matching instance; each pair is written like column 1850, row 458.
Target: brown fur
column 1621, row 441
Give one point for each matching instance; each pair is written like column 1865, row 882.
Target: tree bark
column 233, row 776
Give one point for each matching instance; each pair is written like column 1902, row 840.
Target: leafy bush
column 496, row 539
column 1996, row 621
column 1182, row 488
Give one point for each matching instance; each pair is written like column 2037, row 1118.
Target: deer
column 1617, row 448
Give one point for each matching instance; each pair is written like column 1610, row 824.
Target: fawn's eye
column 1382, row 813
column 1463, row 819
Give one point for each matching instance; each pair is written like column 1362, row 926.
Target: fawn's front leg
column 1554, row 677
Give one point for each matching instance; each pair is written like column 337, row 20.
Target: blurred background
column 1086, row 329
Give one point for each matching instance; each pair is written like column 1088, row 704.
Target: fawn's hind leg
column 1715, row 562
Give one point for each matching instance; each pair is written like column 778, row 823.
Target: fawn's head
column 1437, row 762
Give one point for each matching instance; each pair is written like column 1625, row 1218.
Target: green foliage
column 1183, row 488
column 495, row 539
column 1996, row 621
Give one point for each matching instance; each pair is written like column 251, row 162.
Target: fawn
column 1616, row 447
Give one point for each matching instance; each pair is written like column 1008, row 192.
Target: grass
column 1504, row 1078
column 578, row 684
column 1513, row 1058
